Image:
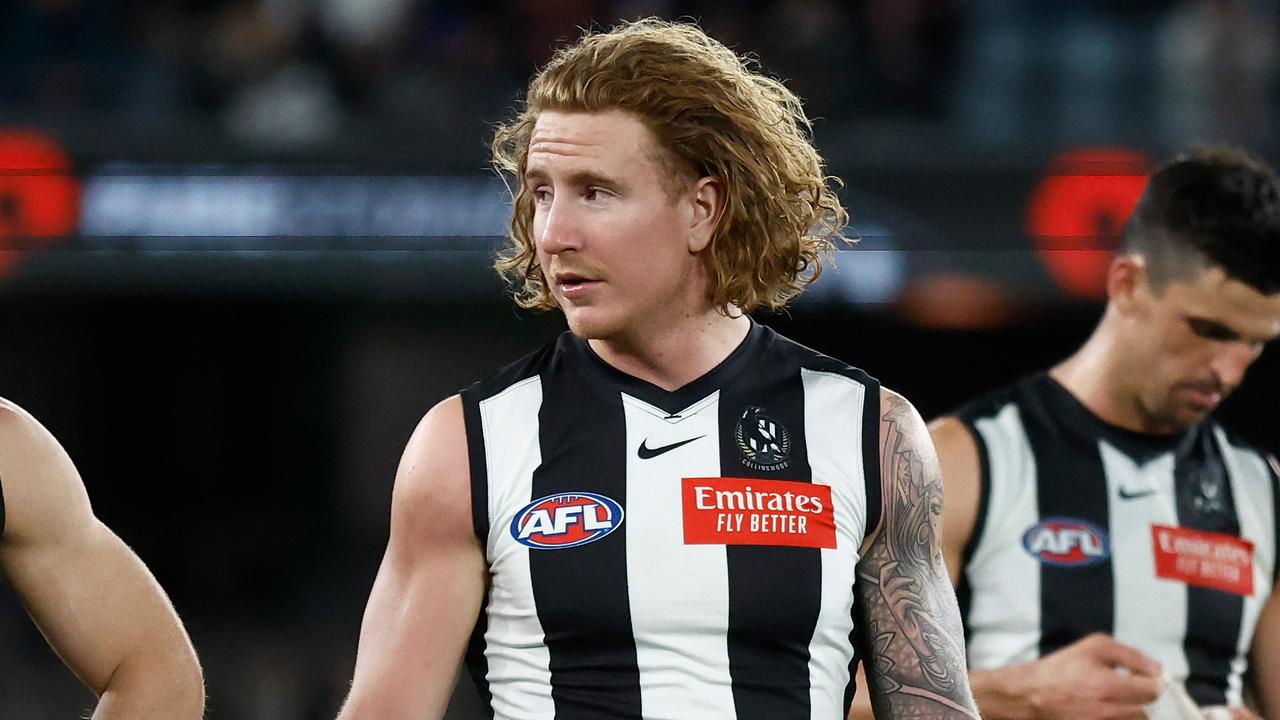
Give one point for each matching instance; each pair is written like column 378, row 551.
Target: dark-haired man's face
column 1193, row 343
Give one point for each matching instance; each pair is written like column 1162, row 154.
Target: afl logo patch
column 1067, row 542
column 763, row 441
column 565, row 520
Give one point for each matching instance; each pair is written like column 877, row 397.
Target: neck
column 1101, row 379
column 677, row 353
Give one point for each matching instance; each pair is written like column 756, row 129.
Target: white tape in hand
column 1173, row 704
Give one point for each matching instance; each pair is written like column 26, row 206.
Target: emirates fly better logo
column 763, row 441
column 754, row 511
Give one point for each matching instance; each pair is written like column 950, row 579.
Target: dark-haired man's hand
column 1095, row 677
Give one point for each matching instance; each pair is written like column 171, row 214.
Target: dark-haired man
column 1103, row 532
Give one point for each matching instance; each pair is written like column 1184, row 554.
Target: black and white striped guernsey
column 681, row 554
column 1168, row 543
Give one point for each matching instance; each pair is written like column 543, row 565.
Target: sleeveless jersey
column 1167, row 543
column 681, row 554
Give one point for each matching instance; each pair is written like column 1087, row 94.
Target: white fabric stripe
column 1150, row 613
column 678, row 590
column 1252, row 489
column 833, row 433
column 1004, row 614
column 519, row 663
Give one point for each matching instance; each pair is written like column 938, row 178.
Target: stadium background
column 244, row 246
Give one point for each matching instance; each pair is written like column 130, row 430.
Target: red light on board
column 1077, row 213
column 39, row 194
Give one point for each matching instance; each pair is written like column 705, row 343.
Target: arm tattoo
column 916, row 667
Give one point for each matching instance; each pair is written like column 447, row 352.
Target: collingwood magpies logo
column 1205, row 492
column 763, row 441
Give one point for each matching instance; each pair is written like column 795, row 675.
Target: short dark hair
column 1219, row 206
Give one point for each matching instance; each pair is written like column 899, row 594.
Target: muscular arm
column 1264, row 654
column 94, row 600
column 916, row 667
column 961, row 489
column 427, row 595
column 1265, row 658
column 960, row 469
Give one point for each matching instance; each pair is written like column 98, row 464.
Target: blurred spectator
column 61, row 54
column 1218, row 64
column 909, row 53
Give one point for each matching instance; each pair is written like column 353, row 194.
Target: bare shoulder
column 18, row 429
column 958, row 455
column 962, row 488
column 947, row 439
column 908, row 463
column 42, row 489
column 910, row 480
column 432, row 497
column 953, row 438
column 902, row 430
column 896, row 409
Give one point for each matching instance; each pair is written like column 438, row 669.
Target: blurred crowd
column 303, row 74
column 290, row 71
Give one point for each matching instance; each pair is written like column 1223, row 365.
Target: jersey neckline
column 669, row 401
column 1142, row 446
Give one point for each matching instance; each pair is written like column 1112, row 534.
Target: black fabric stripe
column 964, row 591
column 872, row 482
column 1213, row 616
column 774, row 592
column 1070, row 483
column 984, row 494
column 477, row 662
column 861, row 642
column 2, row 511
column 581, row 592
column 478, row 465
column 1273, row 467
column 964, row 599
column 871, row 450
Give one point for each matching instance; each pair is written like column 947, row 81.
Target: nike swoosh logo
column 1126, row 495
column 645, row 452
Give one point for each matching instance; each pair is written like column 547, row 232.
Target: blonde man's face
column 611, row 238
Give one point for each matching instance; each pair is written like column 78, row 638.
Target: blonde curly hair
column 716, row 116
